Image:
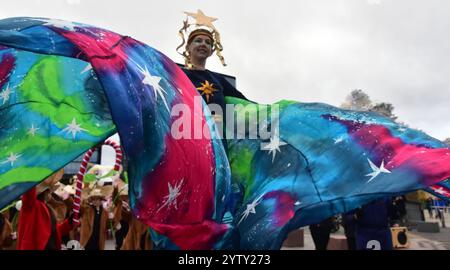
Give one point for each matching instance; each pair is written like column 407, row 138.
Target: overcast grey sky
column 397, row 51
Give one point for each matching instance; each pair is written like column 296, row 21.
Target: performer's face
column 96, row 201
column 200, row 47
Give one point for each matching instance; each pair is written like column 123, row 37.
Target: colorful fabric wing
column 324, row 161
column 50, row 113
column 67, row 86
column 179, row 187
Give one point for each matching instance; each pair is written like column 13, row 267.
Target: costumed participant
column 122, row 211
column 12, row 216
column 6, row 230
column 38, row 228
column 97, row 211
column 400, row 201
column 203, row 39
column 130, row 234
column 321, row 233
column 349, row 224
column 393, row 213
column 137, row 233
column 57, row 202
column 202, row 42
column 67, row 195
column 372, row 226
column 95, row 217
column 138, row 236
column 318, row 161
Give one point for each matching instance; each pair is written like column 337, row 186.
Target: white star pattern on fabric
column 86, row 69
column 274, row 146
column 59, row 24
column 12, row 157
column 74, row 128
column 339, row 139
column 376, row 171
column 171, row 198
column 441, row 191
column 32, row 130
column 5, row 94
column 251, row 209
column 153, row 81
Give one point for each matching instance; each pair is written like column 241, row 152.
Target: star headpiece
column 203, row 25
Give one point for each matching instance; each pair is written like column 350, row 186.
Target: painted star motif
column 441, row 191
column 274, row 146
column 32, row 130
column 73, row 128
column 5, row 94
column 201, row 19
column 86, row 69
column 153, row 81
column 207, row 89
column 171, row 198
column 376, row 170
column 251, row 209
column 12, row 157
column 59, row 24
column 339, row 139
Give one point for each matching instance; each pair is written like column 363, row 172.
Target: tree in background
column 357, row 100
column 360, row 101
column 385, row 109
column 447, row 141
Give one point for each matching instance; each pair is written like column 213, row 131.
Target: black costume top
column 93, row 243
column 212, row 86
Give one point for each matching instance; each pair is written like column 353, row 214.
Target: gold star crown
column 203, row 25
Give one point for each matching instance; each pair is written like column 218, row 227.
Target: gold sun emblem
column 207, row 89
